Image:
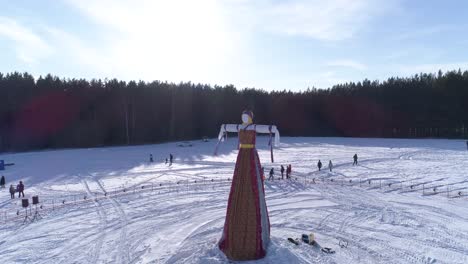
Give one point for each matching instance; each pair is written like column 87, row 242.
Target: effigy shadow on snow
column 279, row 251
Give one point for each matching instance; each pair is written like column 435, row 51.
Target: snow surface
column 406, row 202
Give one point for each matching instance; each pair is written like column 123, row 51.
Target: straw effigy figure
column 246, row 233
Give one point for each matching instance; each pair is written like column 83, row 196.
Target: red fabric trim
column 223, row 244
column 253, row 178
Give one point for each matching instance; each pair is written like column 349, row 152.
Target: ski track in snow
column 182, row 223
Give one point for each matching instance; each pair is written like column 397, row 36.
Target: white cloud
column 168, row 40
column 76, row 52
column 29, row 46
column 323, row 20
column 212, row 40
column 348, row 64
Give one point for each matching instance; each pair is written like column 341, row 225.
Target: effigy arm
column 267, row 129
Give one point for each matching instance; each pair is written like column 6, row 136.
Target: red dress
column 246, row 231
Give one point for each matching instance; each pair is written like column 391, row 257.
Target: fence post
column 360, row 182
column 380, row 184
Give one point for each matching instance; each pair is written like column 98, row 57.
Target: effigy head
column 247, row 117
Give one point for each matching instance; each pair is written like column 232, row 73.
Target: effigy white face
column 246, row 119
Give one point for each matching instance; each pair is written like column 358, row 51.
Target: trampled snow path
column 385, row 222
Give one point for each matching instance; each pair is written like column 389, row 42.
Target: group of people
column 330, row 163
column 170, row 159
column 19, row 188
column 151, row 160
column 288, row 171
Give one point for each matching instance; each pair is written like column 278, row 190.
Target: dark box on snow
column 35, row 199
column 25, row 202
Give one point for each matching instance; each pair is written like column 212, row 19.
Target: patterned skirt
column 246, row 231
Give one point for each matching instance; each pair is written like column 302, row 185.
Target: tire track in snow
column 123, row 249
column 103, row 224
column 365, row 204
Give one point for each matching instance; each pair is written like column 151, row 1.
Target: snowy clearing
column 405, row 202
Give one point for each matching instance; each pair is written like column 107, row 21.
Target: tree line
column 52, row 112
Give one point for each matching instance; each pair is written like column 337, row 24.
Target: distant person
column 288, row 171
column 12, row 191
column 272, row 173
column 282, row 172
column 330, row 165
column 170, row 159
column 319, row 165
column 355, row 159
column 20, row 189
column 166, row 161
column 467, row 145
column 151, row 158
column 2, row 182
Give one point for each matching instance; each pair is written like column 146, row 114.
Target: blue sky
column 268, row 44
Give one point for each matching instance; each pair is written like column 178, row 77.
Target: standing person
column 20, row 189
column 2, row 182
column 272, row 173
column 319, row 165
column 467, row 145
column 282, row 172
column 355, row 159
column 12, row 191
column 330, row 165
column 166, row 161
column 289, row 171
column 151, row 158
column 170, row 159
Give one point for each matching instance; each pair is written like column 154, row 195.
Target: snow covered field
column 406, row 202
